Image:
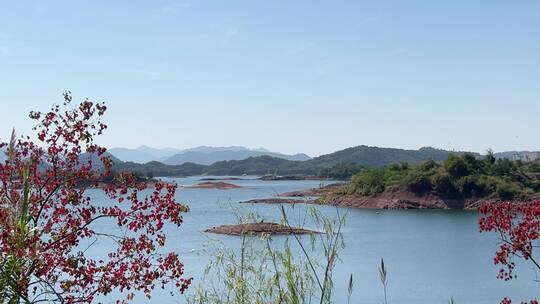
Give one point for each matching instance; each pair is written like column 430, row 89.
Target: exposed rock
column 397, row 199
column 401, row 199
column 314, row 192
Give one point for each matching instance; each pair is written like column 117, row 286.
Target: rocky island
column 290, row 177
column 276, row 201
column 214, row 185
column 208, row 179
column 258, row 229
column 460, row 182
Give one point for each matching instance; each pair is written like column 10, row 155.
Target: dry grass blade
column 350, row 288
column 11, row 148
column 383, row 275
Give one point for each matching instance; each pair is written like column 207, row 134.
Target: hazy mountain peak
column 209, row 149
column 199, row 155
column 142, row 154
column 205, row 155
column 261, row 149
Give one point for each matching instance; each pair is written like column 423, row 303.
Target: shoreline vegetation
column 459, row 182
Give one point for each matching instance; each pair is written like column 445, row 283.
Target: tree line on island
column 459, row 176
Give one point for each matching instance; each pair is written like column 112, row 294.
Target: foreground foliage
column 48, row 222
column 519, row 230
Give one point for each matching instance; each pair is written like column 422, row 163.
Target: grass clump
column 294, row 269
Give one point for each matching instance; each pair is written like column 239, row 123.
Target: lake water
column 431, row 256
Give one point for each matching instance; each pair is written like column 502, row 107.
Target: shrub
column 456, row 166
column 508, row 191
column 369, row 182
column 420, row 184
column 341, row 171
column 472, row 186
column 444, row 186
column 503, row 167
column 534, row 167
column 428, row 165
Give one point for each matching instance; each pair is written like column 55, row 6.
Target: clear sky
column 291, row 76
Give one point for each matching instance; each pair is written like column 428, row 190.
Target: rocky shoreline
column 401, row 199
column 314, row 192
column 258, row 229
column 397, row 199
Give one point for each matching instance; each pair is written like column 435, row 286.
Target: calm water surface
column 432, row 256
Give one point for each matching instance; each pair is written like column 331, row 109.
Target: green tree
column 456, row 166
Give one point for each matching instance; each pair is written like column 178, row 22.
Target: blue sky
column 292, row 76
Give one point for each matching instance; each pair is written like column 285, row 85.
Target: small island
column 276, row 201
column 207, row 179
column 214, row 185
column 290, row 177
column 258, row 229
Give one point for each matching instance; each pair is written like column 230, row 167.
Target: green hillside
column 464, row 176
column 340, row 164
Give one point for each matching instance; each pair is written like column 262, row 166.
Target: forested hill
column 354, row 157
column 379, row 157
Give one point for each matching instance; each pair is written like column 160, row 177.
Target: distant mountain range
column 202, row 155
column 208, row 158
column 241, row 160
column 265, row 164
column 143, row 154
